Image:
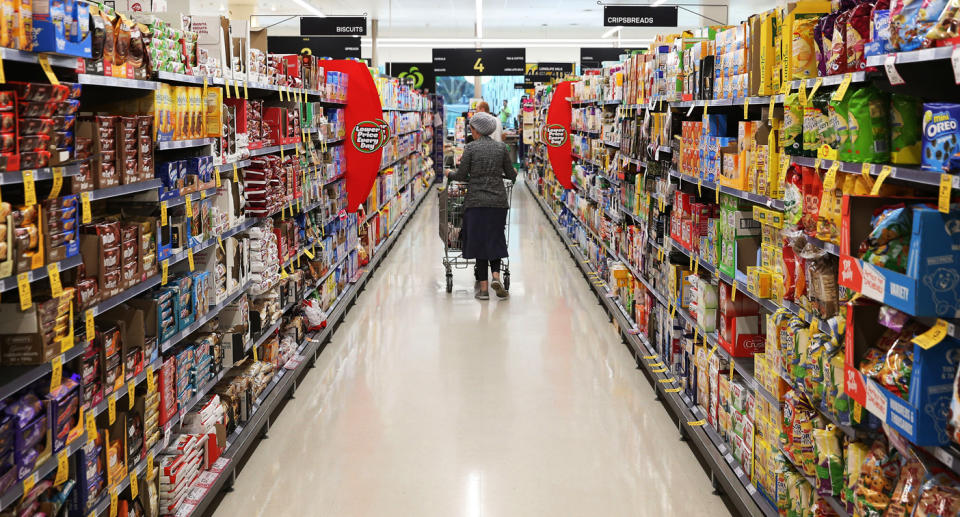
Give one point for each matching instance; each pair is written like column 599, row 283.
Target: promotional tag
column 946, row 185
column 57, row 183
column 933, row 336
column 112, row 408
column 813, row 91
column 697, row 423
column 884, row 172
column 672, row 390
column 3, row 74
column 189, row 201
column 746, row 108
column 165, row 265
column 23, row 286
column 45, row 65
column 63, row 468
column 203, row 195
column 220, row 243
column 190, row 258
column 56, row 372
column 131, row 393
column 830, row 179
column 91, row 427
column 28, row 483
column 53, row 273
column 892, row 74
column 246, row 93
column 113, row 490
column 87, row 213
column 163, row 213
column 667, row 381
column 134, row 485
column 151, row 381
column 29, row 188
column 733, row 293
column 236, row 178
column 842, row 89
column 149, row 475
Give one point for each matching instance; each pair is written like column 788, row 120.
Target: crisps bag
column 905, row 129
column 791, row 135
column 867, row 121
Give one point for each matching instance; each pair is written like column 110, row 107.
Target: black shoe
column 497, row 286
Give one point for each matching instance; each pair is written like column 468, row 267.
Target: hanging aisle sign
column 556, row 134
column 363, row 120
column 346, row 47
column 639, row 16
column 479, row 61
column 594, row 57
column 333, row 26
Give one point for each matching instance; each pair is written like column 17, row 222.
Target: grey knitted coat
column 484, row 165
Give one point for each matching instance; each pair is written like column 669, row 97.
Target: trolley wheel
column 506, row 281
column 449, row 282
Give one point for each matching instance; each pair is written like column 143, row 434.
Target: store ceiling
column 501, row 18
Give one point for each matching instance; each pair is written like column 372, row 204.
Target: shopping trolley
column 451, row 197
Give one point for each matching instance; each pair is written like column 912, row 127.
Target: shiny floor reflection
column 433, row 404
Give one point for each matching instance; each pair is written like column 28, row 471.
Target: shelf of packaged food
column 194, row 196
column 26, row 56
column 211, row 313
column 332, row 141
column 270, row 149
column 182, row 78
column 408, row 132
column 103, row 504
column 587, row 132
column 40, row 471
column 731, row 476
column 243, row 437
column 610, row 102
column 913, row 56
column 908, row 174
column 587, row 161
column 615, row 145
column 10, row 282
column 116, row 82
column 197, row 397
column 390, row 108
column 838, row 507
column 16, row 378
column 228, row 167
column 44, row 173
column 829, row 247
column 775, row 204
column 582, row 102
column 121, row 390
column 830, row 80
column 124, row 190
column 183, row 144
column 398, row 160
column 710, row 103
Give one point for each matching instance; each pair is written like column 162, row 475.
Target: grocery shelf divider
column 183, row 144
column 43, row 173
column 10, row 282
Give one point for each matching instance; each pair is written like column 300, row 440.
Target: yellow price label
column 112, row 408
column 842, row 89
column 672, row 390
column 216, row 177
column 190, row 258
column 657, row 364
column 650, row 357
column 63, row 468
column 87, row 212
column 815, row 326
column 236, row 88
column 733, row 292
column 56, row 372
column 255, row 354
column 189, row 201
column 696, row 264
column 803, row 92
column 134, row 485
column 946, row 186
column 813, row 91
column 131, row 393
column 884, row 172
column 163, row 213
column 697, row 423
column 865, row 171
column 716, row 190
column 29, row 188
column 666, row 381
column 712, row 351
column 236, row 177
column 165, row 271
column 3, row 74
column 23, row 286
column 817, row 163
column 785, row 88
column 57, row 183
column 308, row 253
column 283, row 273
column 220, row 243
column 830, row 179
column 226, row 86
column 45, row 65
column 933, row 336
column 113, row 489
column 246, row 92
column 203, row 195
column 91, row 427
column 706, row 104
column 53, row 273
column 149, row 475
column 28, row 483
column 151, row 381
column 659, row 370
column 773, row 106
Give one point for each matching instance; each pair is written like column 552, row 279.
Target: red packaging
column 858, row 34
column 812, row 189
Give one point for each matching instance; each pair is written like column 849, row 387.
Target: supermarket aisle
column 429, row 404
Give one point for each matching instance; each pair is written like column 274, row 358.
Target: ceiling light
column 657, row 2
column 479, row 18
column 612, row 31
column 313, row 10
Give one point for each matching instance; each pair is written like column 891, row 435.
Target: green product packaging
column 868, row 122
column 791, row 134
column 838, row 119
column 817, row 128
column 905, row 129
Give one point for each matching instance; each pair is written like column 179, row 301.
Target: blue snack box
column 941, row 136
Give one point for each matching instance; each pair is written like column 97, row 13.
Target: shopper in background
column 504, row 114
column 483, row 166
column 497, row 135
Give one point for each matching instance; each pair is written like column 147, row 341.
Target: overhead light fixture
column 313, row 10
column 657, row 2
column 612, row 31
column 479, row 18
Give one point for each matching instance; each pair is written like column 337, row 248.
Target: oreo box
column 941, row 136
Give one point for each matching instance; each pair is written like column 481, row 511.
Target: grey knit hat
column 484, row 123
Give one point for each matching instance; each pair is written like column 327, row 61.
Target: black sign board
column 639, row 16
column 333, row 26
column 479, row 61
column 346, row 47
column 544, row 72
column 594, row 57
column 421, row 74
column 524, row 86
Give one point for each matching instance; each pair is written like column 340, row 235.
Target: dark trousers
column 480, row 270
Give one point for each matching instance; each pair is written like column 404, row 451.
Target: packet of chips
column 897, row 366
column 877, row 477
column 911, row 20
column 791, row 134
column 839, row 111
column 939, row 496
column 948, row 24
column 826, row 442
column 905, row 129
column 858, row 34
column 907, row 491
column 803, row 61
column 868, row 122
column 889, row 240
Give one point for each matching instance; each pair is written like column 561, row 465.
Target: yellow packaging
column 213, row 112
column 24, row 28
column 163, row 122
column 180, row 108
column 798, row 53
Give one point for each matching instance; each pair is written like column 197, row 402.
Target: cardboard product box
column 796, row 41
column 59, row 27
column 63, row 408
column 930, row 283
column 114, row 445
column 61, row 219
column 22, row 339
column 923, row 416
column 90, row 478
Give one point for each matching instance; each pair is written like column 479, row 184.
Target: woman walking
column 484, row 165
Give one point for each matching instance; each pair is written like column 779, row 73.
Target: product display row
column 172, row 257
column 766, row 211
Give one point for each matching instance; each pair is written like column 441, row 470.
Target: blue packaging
column 941, row 136
column 879, row 43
